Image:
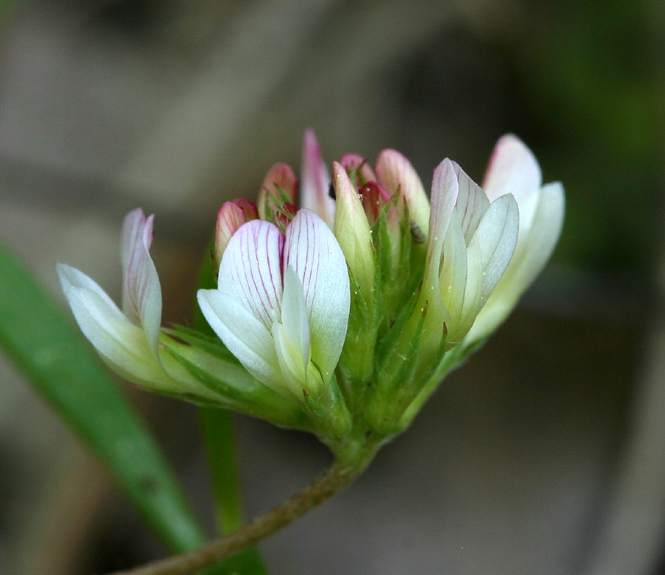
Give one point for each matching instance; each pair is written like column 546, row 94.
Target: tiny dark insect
column 416, row 233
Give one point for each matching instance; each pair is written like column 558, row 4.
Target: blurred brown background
column 545, row 455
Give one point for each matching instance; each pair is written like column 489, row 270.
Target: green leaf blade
column 47, row 348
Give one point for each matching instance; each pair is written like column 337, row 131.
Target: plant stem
column 339, row 476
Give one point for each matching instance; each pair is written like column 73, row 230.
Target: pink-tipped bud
column 358, row 169
column 373, row 197
column 231, row 216
column 315, row 181
column 396, row 174
column 279, row 187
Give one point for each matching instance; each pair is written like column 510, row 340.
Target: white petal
column 244, row 335
column 472, row 203
column 513, row 169
column 72, row 278
column 315, row 181
column 395, row 172
column 317, row 259
column 535, row 247
column 445, row 189
column 141, row 292
column 250, row 272
column 473, row 301
column 123, row 345
column 488, row 255
column 294, row 315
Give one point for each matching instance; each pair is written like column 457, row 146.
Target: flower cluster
column 341, row 317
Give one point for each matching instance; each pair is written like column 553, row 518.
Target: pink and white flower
column 282, row 303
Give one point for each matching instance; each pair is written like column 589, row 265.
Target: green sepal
column 209, row 343
column 388, row 285
column 451, row 360
column 252, row 398
column 395, row 384
column 356, row 362
column 328, row 414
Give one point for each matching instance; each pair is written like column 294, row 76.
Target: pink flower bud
column 279, row 187
column 231, row 216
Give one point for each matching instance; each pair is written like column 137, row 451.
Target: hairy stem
column 339, row 476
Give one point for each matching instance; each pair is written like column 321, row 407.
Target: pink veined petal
column 317, row 259
column 472, row 203
column 394, row 171
column 250, row 272
column 141, row 291
column 315, row 181
column 513, row 169
column 244, row 335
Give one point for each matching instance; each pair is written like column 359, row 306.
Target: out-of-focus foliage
column 589, row 73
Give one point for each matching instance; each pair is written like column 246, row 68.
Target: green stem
column 339, row 476
column 217, row 427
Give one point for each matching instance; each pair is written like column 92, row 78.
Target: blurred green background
column 545, row 454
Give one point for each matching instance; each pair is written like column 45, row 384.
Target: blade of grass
column 54, row 357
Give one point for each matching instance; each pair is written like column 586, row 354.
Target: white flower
column 513, row 169
column 282, row 303
column 470, row 245
column 129, row 340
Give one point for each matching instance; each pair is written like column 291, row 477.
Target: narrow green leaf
column 55, row 358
